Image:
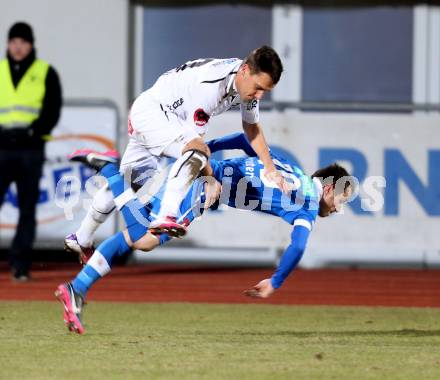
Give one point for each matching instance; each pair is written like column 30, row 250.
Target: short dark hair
column 332, row 174
column 266, row 60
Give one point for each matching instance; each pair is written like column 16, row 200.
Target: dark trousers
column 24, row 167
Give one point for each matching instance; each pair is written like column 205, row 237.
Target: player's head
column 259, row 73
column 20, row 41
column 337, row 188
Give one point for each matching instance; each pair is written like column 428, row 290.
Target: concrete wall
column 85, row 40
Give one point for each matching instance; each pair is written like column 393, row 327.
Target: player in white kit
column 170, row 120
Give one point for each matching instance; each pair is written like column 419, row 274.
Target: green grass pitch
column 234, row 342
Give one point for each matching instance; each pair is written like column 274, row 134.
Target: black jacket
column 31, row 137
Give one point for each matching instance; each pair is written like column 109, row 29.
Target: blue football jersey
column 245, row 186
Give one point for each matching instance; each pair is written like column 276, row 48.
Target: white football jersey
column 200, row 89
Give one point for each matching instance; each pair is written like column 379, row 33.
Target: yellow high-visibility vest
column 20, row 106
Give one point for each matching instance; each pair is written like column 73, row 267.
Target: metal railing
column 350, row 106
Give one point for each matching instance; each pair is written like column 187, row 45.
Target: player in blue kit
column 244, row 186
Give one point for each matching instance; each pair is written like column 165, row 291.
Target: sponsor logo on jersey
column 200, row 117
column 175, row 105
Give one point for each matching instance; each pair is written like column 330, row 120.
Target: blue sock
column 135, row 216
column 114, row 246
column 85, row 279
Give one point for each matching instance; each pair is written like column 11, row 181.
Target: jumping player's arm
column 290, row 259
column 256, row 138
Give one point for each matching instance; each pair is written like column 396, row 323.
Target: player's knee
column 197, row 160
column 102, row 205
column 194, row 161
column 197, row 145
column 147, row 243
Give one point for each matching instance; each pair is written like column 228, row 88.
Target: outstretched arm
column 232, row 141
column 290, row 259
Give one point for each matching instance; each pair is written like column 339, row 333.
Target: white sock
column 181, row 176
column 101, row 208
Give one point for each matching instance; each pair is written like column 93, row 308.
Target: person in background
column 30, row 104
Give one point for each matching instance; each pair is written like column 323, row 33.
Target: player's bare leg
column 146, row 243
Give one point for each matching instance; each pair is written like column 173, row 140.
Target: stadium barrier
column 392, row 149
